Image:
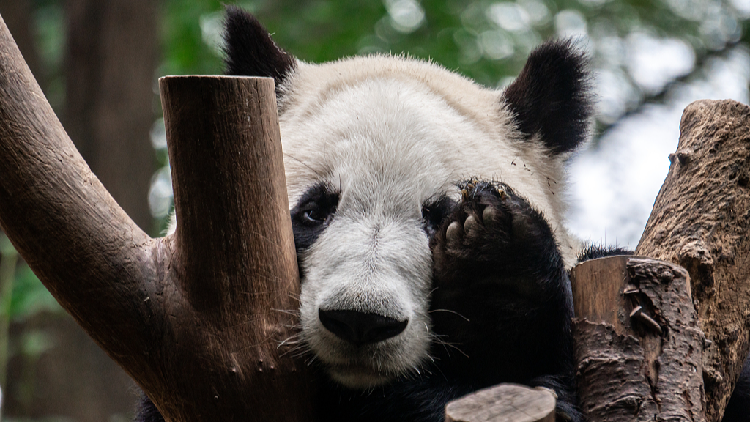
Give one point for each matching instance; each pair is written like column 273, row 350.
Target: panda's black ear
column 551, row 98
column 250, row 51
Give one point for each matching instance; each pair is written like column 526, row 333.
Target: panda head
column 373, row 149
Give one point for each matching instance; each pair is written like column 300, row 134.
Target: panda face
column 373, row 149
column 365, row 162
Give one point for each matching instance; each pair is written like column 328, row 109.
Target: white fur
column 391, row 133
column 415, row 119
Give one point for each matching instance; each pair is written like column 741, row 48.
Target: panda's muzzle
column 361, row 328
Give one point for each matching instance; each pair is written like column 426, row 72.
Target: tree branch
column 74, row 236
column 638, row 345
column 504, row 402
column 700, row 220
column 232, row 286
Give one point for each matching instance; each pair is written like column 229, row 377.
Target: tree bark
column 701, row 220
column 196, row 318
column 638, row 345
column 232, row 256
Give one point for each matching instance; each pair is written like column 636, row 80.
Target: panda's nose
column 361, row 328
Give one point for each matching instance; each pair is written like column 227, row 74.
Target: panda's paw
column 496, row 236
column 479, row 217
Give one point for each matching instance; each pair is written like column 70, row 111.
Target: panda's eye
column 316, row 208
column 313, row 216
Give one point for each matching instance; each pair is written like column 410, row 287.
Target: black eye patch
column 313, row 213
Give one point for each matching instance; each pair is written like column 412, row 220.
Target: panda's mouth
column 358, row 376
column 360, row 366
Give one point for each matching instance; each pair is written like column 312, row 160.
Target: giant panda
column 427, row 215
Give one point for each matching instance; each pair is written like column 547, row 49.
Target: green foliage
column 29, row 296
column 22, row 296
column 49, row 33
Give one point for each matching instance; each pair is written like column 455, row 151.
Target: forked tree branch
column 196, row 318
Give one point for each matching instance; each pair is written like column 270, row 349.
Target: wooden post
column 638, row 345
column 196, row 318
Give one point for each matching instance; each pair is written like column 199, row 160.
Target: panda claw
column 471, row 225
column 454, row 232
column 489, row 215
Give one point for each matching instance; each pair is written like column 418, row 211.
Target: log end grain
column 504, row 402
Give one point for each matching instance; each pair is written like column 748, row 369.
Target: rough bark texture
column 504, row 403
column 196, row 318
column 701, row 220
column 233, row 257
column 638, row 345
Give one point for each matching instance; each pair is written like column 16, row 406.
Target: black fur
column 435, row 211
column 250, row 51
column 592, row 251
column 501, row 308
column 147, row 411
column 502, row 296
column 312, row 214
column 738, row 408
column 551, row 97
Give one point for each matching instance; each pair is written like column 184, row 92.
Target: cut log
column 701, row 220
column 504, row 403
column 638, row 345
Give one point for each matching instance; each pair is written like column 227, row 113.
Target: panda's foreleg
column 501, row 305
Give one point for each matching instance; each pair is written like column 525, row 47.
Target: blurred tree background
column 98, row 61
